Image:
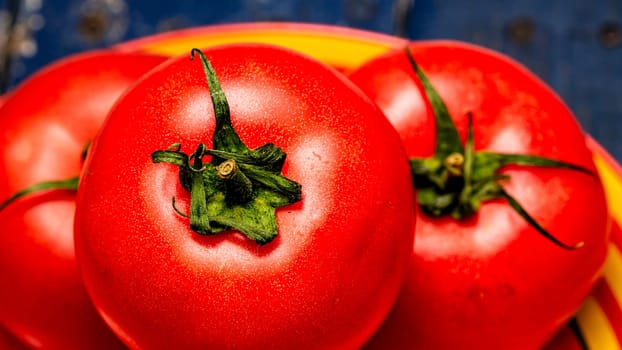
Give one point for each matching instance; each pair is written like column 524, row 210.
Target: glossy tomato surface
column 9, row 342
column 491, row 281
column 330, row 276
column 45, row 123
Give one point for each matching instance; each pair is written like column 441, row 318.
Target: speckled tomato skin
column 491, row 281
column 333, row 272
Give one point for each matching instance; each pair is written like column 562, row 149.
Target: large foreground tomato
column 490, row 280
column 329, row 277
column 44, row 126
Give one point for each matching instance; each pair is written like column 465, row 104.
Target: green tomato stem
column 240, row 188
column 68, row 184
column 456, row 179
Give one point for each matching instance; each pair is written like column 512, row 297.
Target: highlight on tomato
column 45, row 124
column 512, row 222
column 249, row 197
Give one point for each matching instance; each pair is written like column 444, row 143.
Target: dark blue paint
column 563, row 44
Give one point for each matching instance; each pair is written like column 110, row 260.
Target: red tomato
column 491, row 281
column 7, row 339
column 9, row 342
column 44, row 126
column 330, row 276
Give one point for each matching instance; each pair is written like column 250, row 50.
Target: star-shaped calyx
column 238, row 188
column 457, row 179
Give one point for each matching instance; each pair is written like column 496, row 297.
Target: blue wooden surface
column 574, row 45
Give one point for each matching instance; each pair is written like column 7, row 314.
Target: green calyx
column 456, row 180
column 238, row 188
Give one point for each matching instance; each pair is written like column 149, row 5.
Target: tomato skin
column 331, row 275
column 45, row 123
column 8, row 340
column 491, row 281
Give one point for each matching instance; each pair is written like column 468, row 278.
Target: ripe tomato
column 490, row 280
column 329, row 277
column 45, row 124
column 9, row 342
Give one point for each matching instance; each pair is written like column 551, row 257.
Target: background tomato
column 491, row 281
column 330, row 276
column 7, row 339
column 44, row 126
